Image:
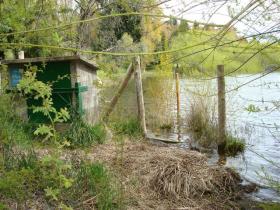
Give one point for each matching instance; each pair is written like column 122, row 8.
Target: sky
column 198, row 13
column 207, row 12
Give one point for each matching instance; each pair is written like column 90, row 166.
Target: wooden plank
column 164, row 140
column 115, row 99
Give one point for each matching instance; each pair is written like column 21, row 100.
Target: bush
column 81, row 134
column 130, row 127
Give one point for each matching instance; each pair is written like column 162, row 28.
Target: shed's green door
column 58, row 74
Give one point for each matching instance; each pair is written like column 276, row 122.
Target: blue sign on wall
column 15, row 76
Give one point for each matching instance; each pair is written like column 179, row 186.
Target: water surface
column 258, row 126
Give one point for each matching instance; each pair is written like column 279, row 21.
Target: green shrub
column 61, row 184
column 54, row 174
column 130, row 127
column 234, row 146
column 81, row 134
column 49, row 177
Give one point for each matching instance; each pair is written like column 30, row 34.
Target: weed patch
column 3, row 207
column 81, row 134
column 95, row 181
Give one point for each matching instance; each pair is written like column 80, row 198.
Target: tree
column 184, row 26
column 195, row 25
column 18, row 16
column 110, row 30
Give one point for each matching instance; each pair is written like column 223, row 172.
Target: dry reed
column 191, row 177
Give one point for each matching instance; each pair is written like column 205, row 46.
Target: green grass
column 234, row 146
column 204, row 129
column 81, row 134
column 130, row 127
column 3, row 207
column 59, row 183
column 96, row 181
column 14, row 158
column 201, row 125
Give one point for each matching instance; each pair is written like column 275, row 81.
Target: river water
column 258, row 125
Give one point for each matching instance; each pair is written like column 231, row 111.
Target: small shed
column 73, row 80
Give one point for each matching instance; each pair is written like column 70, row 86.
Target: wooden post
column 221, row 110
column 140, row 96
column 178, row 93
column 115, row 99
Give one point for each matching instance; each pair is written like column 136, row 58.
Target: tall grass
column 234, row 145
column 202, row 121
column 81, row 134
column 95, row 181
column 203, row 126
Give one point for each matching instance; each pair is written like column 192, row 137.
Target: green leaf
column 52, row 193
column 43, row 130
column 253, row 108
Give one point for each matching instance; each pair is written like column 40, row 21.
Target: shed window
column 15, row 75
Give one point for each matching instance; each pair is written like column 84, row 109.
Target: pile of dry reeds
column 191, row 177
